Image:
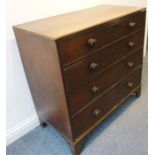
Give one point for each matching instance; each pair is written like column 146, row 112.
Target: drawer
column 78, row 98
column 75, row 79
column 84, row 43
column 101, row 59
column 98, row 109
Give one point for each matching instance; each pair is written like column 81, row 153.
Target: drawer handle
column 97, row 112
column 130, row 64
column 92, row 42
column 131, row 44
column 94, row 89
column 93, row 65
column 132, row 25
column 130, row 84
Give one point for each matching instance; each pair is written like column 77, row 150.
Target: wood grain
column 75, row 46
column 74, row 82
column 86, row 118
column 42, row 68
column 80, row 97
column 66, row 24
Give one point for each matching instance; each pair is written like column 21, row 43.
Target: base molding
column 21, row 129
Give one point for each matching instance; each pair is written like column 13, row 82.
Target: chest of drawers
column 83, row 65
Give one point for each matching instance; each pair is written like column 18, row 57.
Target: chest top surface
column 62, row 25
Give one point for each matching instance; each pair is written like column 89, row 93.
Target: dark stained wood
column 93, row 127
column 78, row 98
column 114, row 51
column 76, row 47
column 138, row 92
column 86, row 118
column 41, row 64
column 73, row 81
column 79, row 72
column 43, row 124
column 102, row 58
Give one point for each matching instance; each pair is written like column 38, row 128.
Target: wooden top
column 62, row 25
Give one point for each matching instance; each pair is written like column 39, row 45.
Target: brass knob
column 94, row 89
column 93, row 65
column 131, row 44
column 132, row 25
column 92, row 42
column 130, row 84
column 97, row 112
column 130, row 64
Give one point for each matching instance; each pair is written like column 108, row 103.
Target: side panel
column 42, row 68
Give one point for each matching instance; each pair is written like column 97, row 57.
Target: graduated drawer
column 94, row 64
column 98, row 109
column 78, row 98
column 83, row 43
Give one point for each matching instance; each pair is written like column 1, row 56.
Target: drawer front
column 76, row 80
column 98, row 109
column 87, row 42
column 79, row 98
column 101, row 59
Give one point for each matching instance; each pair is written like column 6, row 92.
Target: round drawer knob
column 97, row 112
column 132, row 25
column 93, row 65
column 130, row 64
column 92, row 42
column 130, row 84
column 131, row 44
column 94, row 89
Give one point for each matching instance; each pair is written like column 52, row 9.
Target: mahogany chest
column 81, row 66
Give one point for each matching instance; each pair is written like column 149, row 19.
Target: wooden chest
column 81, row 66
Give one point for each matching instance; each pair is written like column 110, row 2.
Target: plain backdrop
column 20, row 108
